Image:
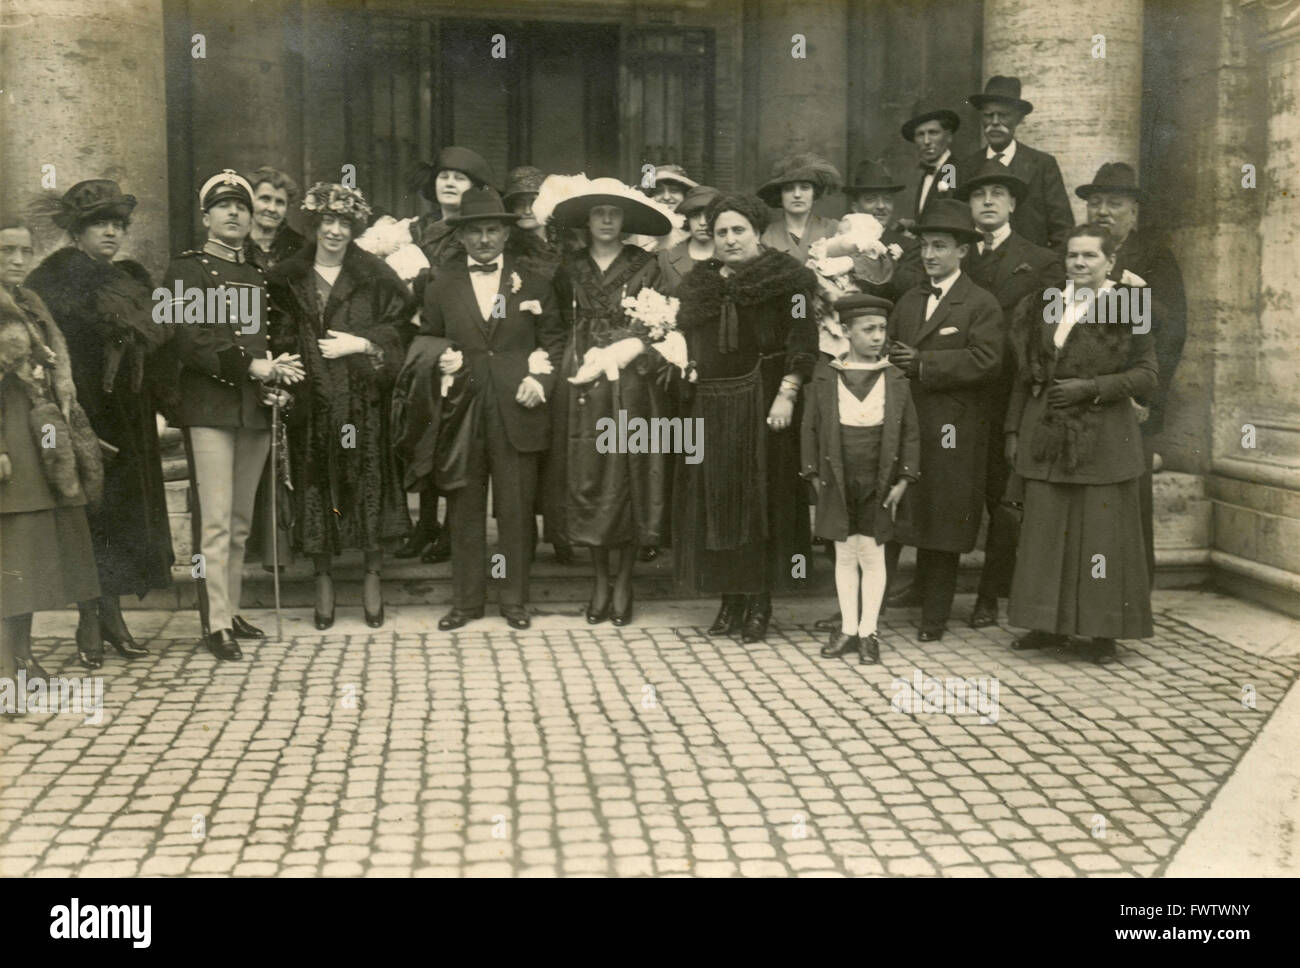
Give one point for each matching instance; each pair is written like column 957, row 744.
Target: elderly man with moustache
column 499, row 313
column 1010, row 267
column 1113, row 198
column 1044, row 215
column 946, row 335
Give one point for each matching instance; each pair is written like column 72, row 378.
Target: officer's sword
column 275, row 493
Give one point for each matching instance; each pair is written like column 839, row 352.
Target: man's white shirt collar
column 1007, row 153
column 945, row 284
column 999, row 236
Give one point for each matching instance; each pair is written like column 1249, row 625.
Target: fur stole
column 1091, row 350
column 772, row 276
column 33, row 349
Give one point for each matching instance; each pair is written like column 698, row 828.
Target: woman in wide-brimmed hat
column 606, row 501
column 797, row 182
column 454, row 171
column 104, row 308
column 47, row 559
column 344, row 310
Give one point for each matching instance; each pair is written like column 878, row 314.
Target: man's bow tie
column 484, row 266
column 934, row 291
column 928, row 169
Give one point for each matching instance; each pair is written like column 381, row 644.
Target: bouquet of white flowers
column 653, row 312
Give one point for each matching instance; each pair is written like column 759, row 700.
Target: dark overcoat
column 959, row 350
column 497, row 350
column 900, row 450
column 1096, row 441
column 103, row 311
column 345, row 496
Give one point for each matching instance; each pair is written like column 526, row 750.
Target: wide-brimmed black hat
column 992, row 172
column 861, row 304
column 1114, row 176
column 697, row 199
column 640, row 216
column 92, row 200
column 1001, row 90
column 802, row 167
column 929, row 112
column 872, row 176
column 524, row 180
column 480, row 204
column 453, row 158
column 951, row 216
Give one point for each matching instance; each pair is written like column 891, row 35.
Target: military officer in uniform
column 227, row 384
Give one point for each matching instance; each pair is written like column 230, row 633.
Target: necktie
column 987, row 245
column 484, row 266
column 998, row 158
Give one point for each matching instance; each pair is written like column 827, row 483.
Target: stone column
column 83, row 91
column 801, row 103
column 1087, row 110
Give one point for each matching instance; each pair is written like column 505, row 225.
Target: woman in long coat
column 741, row 514
column 797, row 182
column 46, row 556
column 344, row 311
column 1072, row 432
column 103, row 308
column 606, row 501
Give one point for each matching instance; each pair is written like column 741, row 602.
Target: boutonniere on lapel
column 531, row 306
column 515, row 283
column 1023, row 267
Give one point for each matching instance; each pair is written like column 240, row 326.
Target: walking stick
column 275, row 489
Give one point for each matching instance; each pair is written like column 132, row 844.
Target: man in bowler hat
column 1044, row 215
column 227, row 385
column 931, row 128
column 1113, row 198
column 499, row 313
column 946, row 335
column 1010, row 267
column 873, row 191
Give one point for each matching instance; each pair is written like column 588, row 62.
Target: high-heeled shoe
column 594, row 615
column 90, row 644
column 324, row 610
column 113, row 630
column 371, row 591
column 730, row 617
column 621, row 618
column 757, row 615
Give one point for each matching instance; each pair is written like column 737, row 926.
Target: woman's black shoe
column 1038, row 640
column 625, row 616
column 730, row 617
column 757, row 615
column 597, row 615
column 1101, row 651
column 324, row 601
column 839, row 644
column 90, row 644
column 371, row 592
column 113, row 630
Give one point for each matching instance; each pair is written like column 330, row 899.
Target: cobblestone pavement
column 650, row 750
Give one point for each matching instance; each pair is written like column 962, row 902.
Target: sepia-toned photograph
column 648, row 438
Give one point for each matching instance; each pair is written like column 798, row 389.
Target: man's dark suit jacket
column 1044, row 215
column 1144, row 256
column 496, row 350
column 940, row 188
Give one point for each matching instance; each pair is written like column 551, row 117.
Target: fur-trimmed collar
column 361, row 265
column 32, row 306
column 72, row 270
column 773, row 275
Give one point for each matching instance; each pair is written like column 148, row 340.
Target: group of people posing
column 893, row 368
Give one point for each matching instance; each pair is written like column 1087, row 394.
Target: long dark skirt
column 46, row 560
column 1059, row 585
column 609, row 499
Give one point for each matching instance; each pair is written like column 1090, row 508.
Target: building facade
column 1199, row 94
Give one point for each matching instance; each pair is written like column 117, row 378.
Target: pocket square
column 947, row 330
column 1023, row 267
column 531, row 306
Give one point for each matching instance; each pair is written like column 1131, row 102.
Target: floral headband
column 326, row 199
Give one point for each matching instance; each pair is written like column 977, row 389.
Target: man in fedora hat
column 1044, row 215
column 873, row 191
column 931, row 128
column 498, row 313
column 946, row 335
column 1010, row 267
column 227, row 385
column 1113, row 198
